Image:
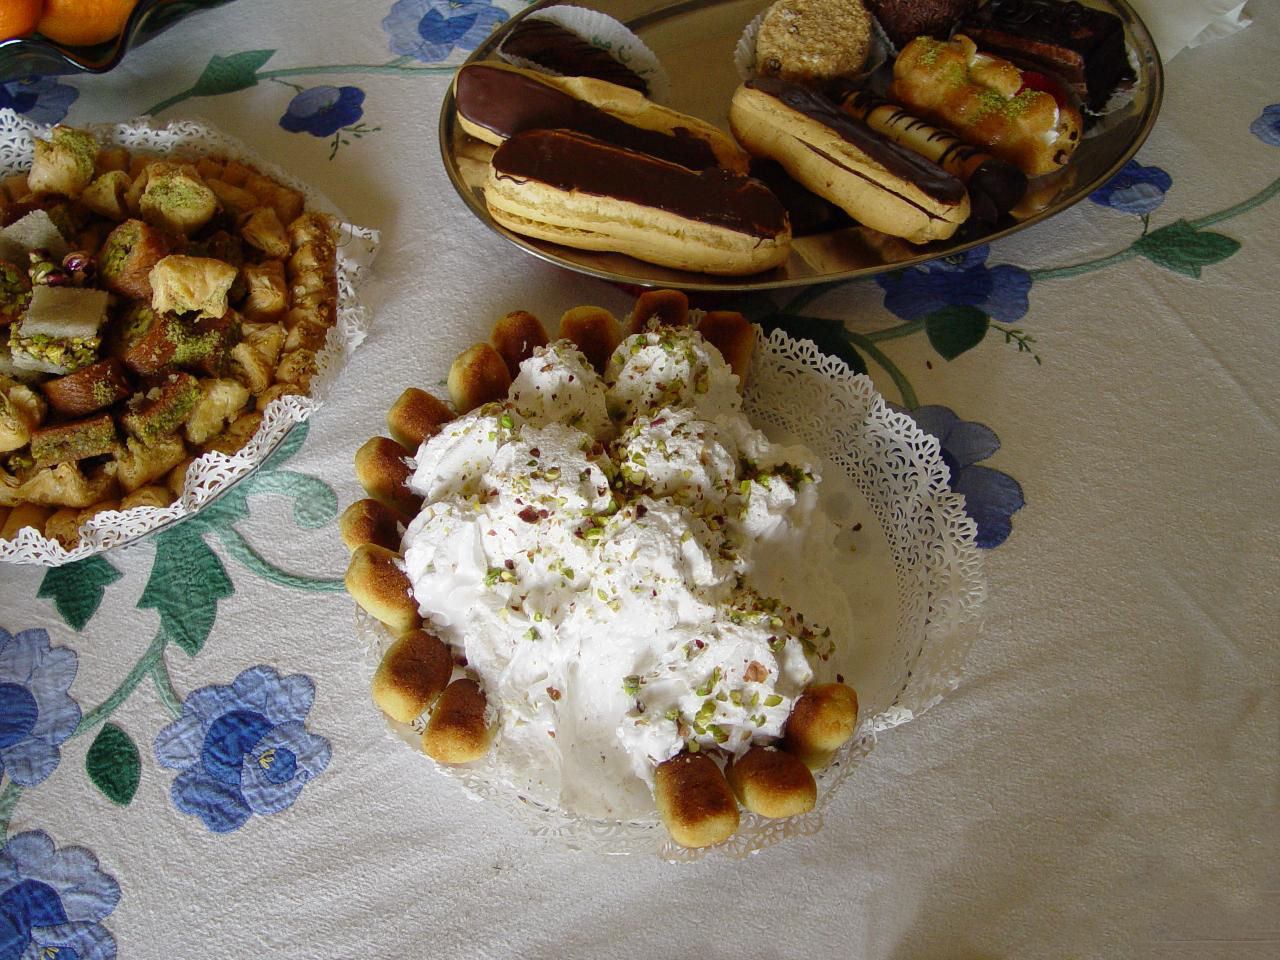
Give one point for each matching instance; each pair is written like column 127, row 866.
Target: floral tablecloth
column 189, row 762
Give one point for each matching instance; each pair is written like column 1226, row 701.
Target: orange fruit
column 82, row 23
column 18, row 17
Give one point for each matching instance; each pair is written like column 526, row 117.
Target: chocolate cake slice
column 563, row 52
column 1081, row 45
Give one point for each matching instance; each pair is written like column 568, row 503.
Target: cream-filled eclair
column 875, row 180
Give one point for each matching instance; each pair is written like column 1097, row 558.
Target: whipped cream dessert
column 629, row 567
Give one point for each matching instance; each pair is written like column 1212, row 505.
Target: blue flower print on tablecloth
column 1267, row 127
column 53, row 902
column 243, row 748
column 36, row 712
column 429, row 30
column 991, row 497
column 44, row 100
column 1135, row 189
column 323, row 111
column 960, row 279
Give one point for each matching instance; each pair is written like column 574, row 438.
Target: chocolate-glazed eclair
column 875, row 180
column 561, row 186
column 496, row 101
column 560, row 50
column 995, row 187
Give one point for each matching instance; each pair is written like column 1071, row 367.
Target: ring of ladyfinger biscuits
column 496, row 101
column 696, row 800
column 875, row 180
column 584, row 193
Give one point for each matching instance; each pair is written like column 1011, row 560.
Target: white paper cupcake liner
column 606, row 33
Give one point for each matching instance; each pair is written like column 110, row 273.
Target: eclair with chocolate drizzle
column 839, row 157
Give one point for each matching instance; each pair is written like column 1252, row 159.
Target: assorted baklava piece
column 150, row 308
column 421, row 681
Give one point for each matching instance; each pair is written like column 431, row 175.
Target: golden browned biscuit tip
column 383, row 470
column 730, row 333
column 415, row 416
column 24, row 515
column 478, row 376
column 413, row 672
column 670, row 308
column 694, row 800
column 593, row 330
column 516, row 336
column 772, row 783
column 376, row 582
column 456, row 732
column 822, row 720
column 368, row 521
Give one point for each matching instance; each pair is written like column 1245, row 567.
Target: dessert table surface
column 1104, row 782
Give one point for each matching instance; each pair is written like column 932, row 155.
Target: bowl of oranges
column 41, row 37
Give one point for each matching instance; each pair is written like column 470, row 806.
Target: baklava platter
column 170, row 307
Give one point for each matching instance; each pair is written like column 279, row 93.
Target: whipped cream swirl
column 612, row 557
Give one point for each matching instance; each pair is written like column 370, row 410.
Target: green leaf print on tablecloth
column 187, row 581
column 113, row 764
column 1182, row 248
column 77, row 589
column 953, row 330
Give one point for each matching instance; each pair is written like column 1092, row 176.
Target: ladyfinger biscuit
column 667, row 307
column 821, row 721
column 478, row 376
column 415, row 416
column 413, row 672
column 876, row 181
column 694, row 800
column 456, row 732
column 368, row 521
column 570, row 189
column 496, row 101
column 516, row 336
column 383, row 470
column 376, row 582
column 772, row 783
column 730, row 333
column 593, row 330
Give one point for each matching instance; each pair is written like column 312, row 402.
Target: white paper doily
column 213, row 473
column 898, row 470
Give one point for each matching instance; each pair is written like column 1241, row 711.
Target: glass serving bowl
column 918, row 582
column 35, row 56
